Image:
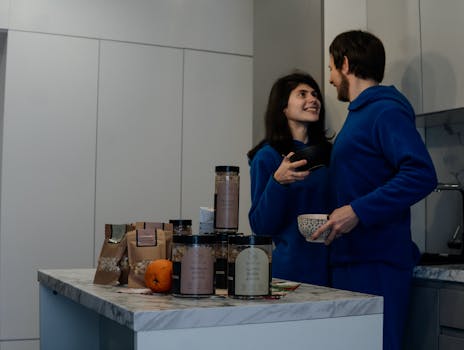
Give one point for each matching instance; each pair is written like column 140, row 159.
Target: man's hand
column 341, row 221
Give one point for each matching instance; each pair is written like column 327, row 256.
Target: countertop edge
column 446, row 273
column 253, row 314
column 231, row 312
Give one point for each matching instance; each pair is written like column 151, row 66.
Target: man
column 379, row 168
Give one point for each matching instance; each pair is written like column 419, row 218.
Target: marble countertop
column 447, row 273
column 157, row 311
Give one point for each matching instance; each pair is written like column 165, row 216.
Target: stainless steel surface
column 448, row 187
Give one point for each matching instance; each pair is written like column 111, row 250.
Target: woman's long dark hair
column 278, row 133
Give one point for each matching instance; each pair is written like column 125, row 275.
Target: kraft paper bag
column 144, row 245
column 112, row 252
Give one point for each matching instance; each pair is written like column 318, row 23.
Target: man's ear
column 345, row 65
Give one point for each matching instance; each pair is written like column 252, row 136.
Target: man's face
column 340, row 81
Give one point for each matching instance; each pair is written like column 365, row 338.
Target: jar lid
column 181, row 222
column 227, row 168
column 250, row 240
column 223, row 236
column 194, row 239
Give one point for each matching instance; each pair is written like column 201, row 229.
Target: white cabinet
column 138, row 134
column 98, row 131
column 424, row 48
column 4, row 11
column 223, row 25
column 396, row 22
column 217, row 128
column 48, row 168
column 442, row 54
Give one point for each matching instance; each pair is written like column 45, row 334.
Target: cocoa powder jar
column 193, row 259
column 226, row 198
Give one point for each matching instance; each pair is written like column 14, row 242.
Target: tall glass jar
column 226, row 198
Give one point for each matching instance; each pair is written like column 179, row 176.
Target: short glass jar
column 249, row 270
column 193, row 259
column 181, row 226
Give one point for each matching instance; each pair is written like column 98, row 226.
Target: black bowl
column 315, row 155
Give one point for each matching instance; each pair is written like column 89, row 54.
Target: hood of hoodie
column 381, row 93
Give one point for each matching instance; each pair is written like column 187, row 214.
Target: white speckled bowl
column 308, row 223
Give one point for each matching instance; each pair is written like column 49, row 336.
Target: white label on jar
column 252, row 272
column 197, row 266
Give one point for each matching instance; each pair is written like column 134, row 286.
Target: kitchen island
column 76, row 314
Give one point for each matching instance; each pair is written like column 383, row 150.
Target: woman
column 295, row 118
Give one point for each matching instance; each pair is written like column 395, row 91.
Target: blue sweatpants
column 391, row 282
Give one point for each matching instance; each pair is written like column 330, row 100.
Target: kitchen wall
column 339, row 16
column 113, row 112
column 287, row 35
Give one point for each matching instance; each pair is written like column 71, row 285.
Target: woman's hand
column 286, row 173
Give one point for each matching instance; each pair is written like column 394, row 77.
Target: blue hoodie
column 274, row 211
column 381, row 167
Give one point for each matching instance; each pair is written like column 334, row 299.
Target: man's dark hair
column 365, row 53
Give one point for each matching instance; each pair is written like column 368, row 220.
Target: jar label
column 226, row 205
column 197, row 276
column 252, row 272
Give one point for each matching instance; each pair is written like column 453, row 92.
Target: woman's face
column 303, row 104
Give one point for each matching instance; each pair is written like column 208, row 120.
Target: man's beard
column 342, row 91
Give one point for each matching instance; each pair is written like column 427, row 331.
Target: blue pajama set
column 381, row 167
column 274, row 212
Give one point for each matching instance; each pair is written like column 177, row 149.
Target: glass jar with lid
column 193, row 258
column 226, row 198
column 249, row 270
column 181, row 226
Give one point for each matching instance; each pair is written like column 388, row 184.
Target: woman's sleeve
column 268, row 197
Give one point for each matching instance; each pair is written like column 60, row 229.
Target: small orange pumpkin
column 158, row 275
